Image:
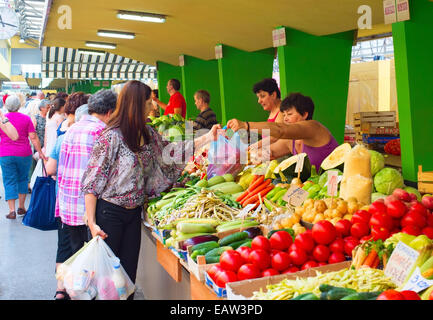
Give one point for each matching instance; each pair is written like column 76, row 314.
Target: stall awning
column 57, row 62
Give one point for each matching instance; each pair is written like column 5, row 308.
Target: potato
column 299, row 211
column 352, row 199
column 348, row 217
column 335, row 220
column 308, row 202
column 327, row 213
column 318, row 217
column 335, row 214
column 364, row 208
column 352, row 207
column 297, row 228
column 342, row 207
column 320, row 206
column 285, row 222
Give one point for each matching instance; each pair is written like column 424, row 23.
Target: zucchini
column 241, row 243
column 215, row 180
column 188, row 227
column 339, row 293
column 325, row 287
column 227, row 188
column 203, row 245
column 201, row 183
column 301, row 296
column 309, row 296
column 237, row 236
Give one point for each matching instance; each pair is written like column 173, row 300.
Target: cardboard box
column 220, row 292
column 198, row 270
column 243, row 290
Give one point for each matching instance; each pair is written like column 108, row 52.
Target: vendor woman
column 269, row 97
column 299, row 132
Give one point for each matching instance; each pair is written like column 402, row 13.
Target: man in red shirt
column 176, row 104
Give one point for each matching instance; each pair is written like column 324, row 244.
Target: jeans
column 15, row 172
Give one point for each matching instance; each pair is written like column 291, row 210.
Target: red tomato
column 359, row 229
column 305, row 241
column 396, row 209
column 309, row 264
column 430, row 297
column 298, row 257
column 428, row 231
column 274, row 251
column 231, row 260
column 413, row 230
column 320, row 264
column 269, row 272
column 377, row 207
column 245, row 252
column 430, row 220
column 410, row 295
column 336, row 257
column 281, row 240
column 214, row 270
column 365, row 238
column 337, row 245
column 248, row 271
column 224, row 277
column 294, row 247
column 260, row 258
column 349, row 245
column 414, row 218
column 291, row 270
column 281, row 261
column 321, row 253
column 343, row 227
column 390, row 295
column 324, row 232
column 381, row 220
column 418, row 207
column 261, row 242
column 379, row 233
column 361, row 216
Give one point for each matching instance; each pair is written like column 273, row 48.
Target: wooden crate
column 425, row 181
column 375, row 123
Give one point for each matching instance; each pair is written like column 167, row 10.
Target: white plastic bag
column 95, row 271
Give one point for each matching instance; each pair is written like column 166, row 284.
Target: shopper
column 305, row 134
column 126, row 167
column 74, row 101
column 16, row 155
column 74, row 156
column 40, row 120
column 269, row 97
column 154, row 111
column 176, row 104
column 207, row 117
column 32, row 108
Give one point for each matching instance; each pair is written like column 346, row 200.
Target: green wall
column 90, row 86
column 413, row 50
column 165, row 72
column 318, row 67
column 200, row 74
column 238, row 72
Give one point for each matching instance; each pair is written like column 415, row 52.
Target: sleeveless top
column 317, row 154
column 59, row 131
column 40, row 128
column 275, row 118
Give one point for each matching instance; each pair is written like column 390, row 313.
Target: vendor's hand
column 95, row 230
column 213, row 133
column 236, row 125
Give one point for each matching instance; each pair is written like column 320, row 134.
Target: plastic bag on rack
column 95, row 272
column 226, row 156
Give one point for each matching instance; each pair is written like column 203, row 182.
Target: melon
column 286, row 169
column 335, row 160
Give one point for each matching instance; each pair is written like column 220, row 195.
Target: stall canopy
column 61, row 63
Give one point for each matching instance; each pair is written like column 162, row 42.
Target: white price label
column 400, row 263
column 245, row 211
column 299, row 163
column 332, row 183
column 295, row 196
column 256, row 212
column 417, row 282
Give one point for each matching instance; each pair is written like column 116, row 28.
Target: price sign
column 299, row 163
column 256, row 212
column 245, row 211
column 401, row 261
column 279, row 37
column 332, row 183
column 390, row 11
column 403, row 13
column 295, row 196
column 417, row 282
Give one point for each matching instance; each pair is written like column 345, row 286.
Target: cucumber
column 213, row 256
column 363, row 296
column 212, row 259
column 339, row 293
column 240, row 243
column 309, row 296
column 202, row 252
column 354, row 296
column 301, row 296
column 325, row 287
column 203, row 245
column 237, row 236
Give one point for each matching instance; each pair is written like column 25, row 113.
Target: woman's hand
column 43, row 156
column 236, row 125
column 95, row 230
column 213, row 133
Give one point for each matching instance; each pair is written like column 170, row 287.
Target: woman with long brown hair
column 126, row 167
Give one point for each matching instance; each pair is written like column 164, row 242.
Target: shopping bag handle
column 44, row 170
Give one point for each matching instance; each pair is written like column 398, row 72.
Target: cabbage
column 388, row 179
column 376, row 195
column 377, row 162
column 414, row 191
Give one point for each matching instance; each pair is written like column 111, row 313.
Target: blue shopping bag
column 40, row 214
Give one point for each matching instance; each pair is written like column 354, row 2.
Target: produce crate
column 425, row 181
column 220, row 292
column 198, row 270
column 381, row 122
column 200, row 291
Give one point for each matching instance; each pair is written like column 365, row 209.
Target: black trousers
column 123, row 227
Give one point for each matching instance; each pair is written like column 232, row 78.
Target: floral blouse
column 117, row 175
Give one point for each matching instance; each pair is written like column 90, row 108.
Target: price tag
column 332, row 183
column 299, row 163
column 400, row 262
column 403, row 13
column 390, row 11
column 295, row 196
column 256, row 212
column 417, row 282
column 245, row 211
column 339, row 178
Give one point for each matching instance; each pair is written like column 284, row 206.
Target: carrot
column 254, row 198
column 375, row 263
column 254, row 179
column 369, row 260
column 259, row 188
column 242, row 196
column 256, row 183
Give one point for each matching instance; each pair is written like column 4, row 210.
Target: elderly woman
column 16, row 155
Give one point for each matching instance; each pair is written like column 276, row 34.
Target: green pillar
column 165, row 72
column 318, row 67
column 200, row 74
column 413, row 47
column 238, row 72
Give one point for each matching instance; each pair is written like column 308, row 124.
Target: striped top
column 205, row 120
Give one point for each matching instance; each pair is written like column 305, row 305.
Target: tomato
column 224, row 277
column 245, row 252
column 281, row 240
column 320, row 264
column 305, row 241
column 281, row 261
column 428, row 231
column 430, row 220
column 269, row 272
column 396, row 209
column 410, row 295
column 390, row 295
column 418, row 207
column 343, row 227
column 214, row 270
column 290, row 270
column 321, row 253
column 336, row 257
column 379, row 233
column 260, row 258
column 337, row 245
column 298, row 257
column 401, row 194
column 361, row 216
column 231, row 260
column 294, row 247
column 366, row 238
column 381, row 220
column 413, row 230
column 248, row 271
column 359, row 229
column 274, row 251
column 430, row 297
column 324, row 232
column 309, row 264
column 349, row 245
column 414, row 218
column 377, row 207
column 261, row 242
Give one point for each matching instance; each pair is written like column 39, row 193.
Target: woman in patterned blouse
column 128, row 164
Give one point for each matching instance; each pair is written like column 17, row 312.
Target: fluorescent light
column 116, row 34
column 141, row 16
column 101, row 45
column 93, row 52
